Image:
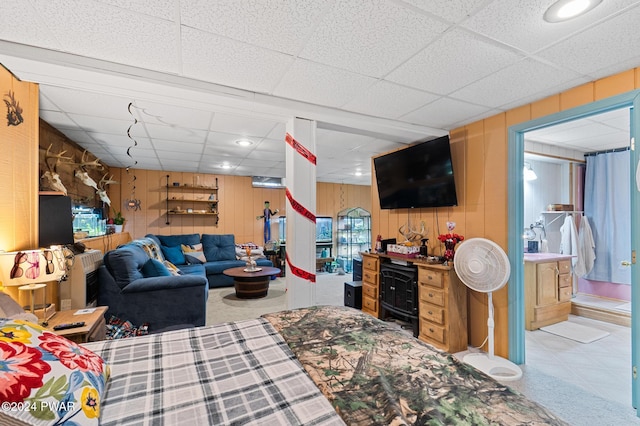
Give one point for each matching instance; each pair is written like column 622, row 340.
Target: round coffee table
column 251, row 285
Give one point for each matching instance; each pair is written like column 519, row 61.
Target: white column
column 301, row 210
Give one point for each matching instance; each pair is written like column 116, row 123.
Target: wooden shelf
column 200, row 187
column 190, row 191
column 193, row 214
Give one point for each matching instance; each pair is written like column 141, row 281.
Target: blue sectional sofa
column 216, row 252
column 138, row 287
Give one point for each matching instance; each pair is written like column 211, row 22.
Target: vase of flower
column 450, row 240
column 449, row 250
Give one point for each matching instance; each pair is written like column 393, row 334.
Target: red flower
column 70, row 354
column 454, row 238
column 21, row 369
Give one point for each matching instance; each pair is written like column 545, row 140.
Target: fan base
column 498, row 368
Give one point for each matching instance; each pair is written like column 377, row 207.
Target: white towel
column 586, row 249
column 569, row 239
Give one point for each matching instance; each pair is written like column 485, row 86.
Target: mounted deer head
column 51, row 178
column 82, row 172
column 102, row 188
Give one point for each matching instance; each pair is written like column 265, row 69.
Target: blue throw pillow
column 174, row 255
column 155, row 268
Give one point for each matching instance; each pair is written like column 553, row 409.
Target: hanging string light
column 132, row 203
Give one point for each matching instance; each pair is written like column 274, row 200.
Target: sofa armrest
column 164, row 283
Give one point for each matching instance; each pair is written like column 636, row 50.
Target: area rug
column 573, row 331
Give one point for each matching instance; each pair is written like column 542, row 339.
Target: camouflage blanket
column 373, row 373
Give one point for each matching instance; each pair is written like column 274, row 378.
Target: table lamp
column 31, row 270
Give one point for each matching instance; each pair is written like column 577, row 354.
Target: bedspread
column 232, row 373
column 375, row 374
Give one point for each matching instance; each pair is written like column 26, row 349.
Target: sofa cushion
column 174, row 255
column 217, row 267
column 154, row 268
column 219, row 247
column 125, row 263
column 176, row 240
column 195, row 269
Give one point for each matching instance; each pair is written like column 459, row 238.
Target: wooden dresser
column 443, row 307
column 548, row 284
column 370, row 284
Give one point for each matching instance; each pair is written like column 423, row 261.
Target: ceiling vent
column 267, row 182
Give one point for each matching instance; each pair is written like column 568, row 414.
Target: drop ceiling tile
column 121, row 141
column 224, row 61
column 444, row 113
column 321, row 84
column 185, row 156
column 86, row 102
column 172, row 115
column 242, row 125
column 281, row 25
column 57, row 119
column 526, row 78
column 520, row 23
column 176, row 134
column 454, row 61
column 278, row 132
column 187, row 166
column 588, row 51
column 192, row 149
column 164, row 9
column 265, row 156
column 111, row 33
column 451, row 10
column 92, row 123
column 147, row 164
column 385, row 99
column 384, row 36
column 21, row 23
column 273, row 145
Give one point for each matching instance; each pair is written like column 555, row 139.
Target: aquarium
column 324, row 229
column 89, row 220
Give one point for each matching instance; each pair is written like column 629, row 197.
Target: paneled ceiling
column 375, row 74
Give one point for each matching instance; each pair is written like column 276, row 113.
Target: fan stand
column 496, row 367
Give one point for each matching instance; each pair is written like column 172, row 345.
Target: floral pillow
column 47, row 379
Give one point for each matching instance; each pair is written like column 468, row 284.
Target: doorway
column 516, row 222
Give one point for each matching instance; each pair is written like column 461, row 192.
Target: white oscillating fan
column 484, row 267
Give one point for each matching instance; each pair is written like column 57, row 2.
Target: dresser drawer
column 371, row 291
column 370, row 277
column 431, row 277
column 564, row 280
column 432, row 313
column 564, row 293
column 431, row 295
column 369, row 303
column 432, row 331
column 564, row 266
column 370, row 263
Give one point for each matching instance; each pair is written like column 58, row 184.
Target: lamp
column 31, row 270
column 528, row 172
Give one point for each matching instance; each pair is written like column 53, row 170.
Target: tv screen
column 418, row 176
column 56, row 220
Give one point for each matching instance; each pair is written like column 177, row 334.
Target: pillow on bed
column 193, row 253
column 48, row 379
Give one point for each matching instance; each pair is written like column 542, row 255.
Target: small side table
column 32, row 288
column 95, row 327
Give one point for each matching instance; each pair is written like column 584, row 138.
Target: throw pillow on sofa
column 174, row 255
column 155, row 268
column 193, row 253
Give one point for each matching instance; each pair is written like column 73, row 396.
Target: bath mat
column 577, row 332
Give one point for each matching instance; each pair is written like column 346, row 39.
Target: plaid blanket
column 232, row 373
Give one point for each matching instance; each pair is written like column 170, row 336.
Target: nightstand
column 95, row 327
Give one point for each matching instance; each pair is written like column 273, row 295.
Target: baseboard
column 601, row 314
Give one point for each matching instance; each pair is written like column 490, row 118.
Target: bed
column 318, row 366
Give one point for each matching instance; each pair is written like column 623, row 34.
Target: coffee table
column 251, row 285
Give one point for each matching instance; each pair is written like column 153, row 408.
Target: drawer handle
column 431, row 330
column 430, row 313
column 430, row 294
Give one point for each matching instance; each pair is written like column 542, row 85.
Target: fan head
column 482, row 265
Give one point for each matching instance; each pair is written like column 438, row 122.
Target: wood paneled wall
column 239, row 203
column 480, row 163
column 18, row 166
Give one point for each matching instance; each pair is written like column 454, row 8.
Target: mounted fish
column 51, row 179
column 102, row 188
column 83, row 174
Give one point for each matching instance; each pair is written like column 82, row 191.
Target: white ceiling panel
column 374, row 74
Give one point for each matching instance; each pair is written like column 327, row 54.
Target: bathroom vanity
column 548, row 287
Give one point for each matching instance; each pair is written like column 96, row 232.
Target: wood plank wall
column 480, row 161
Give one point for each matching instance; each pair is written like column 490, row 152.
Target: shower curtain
column 607, row 206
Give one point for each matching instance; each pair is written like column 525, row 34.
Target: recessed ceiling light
column 244, row 142
column 225, row 165
column 563, row 10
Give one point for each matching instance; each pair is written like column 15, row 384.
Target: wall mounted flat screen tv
column 416, row 177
